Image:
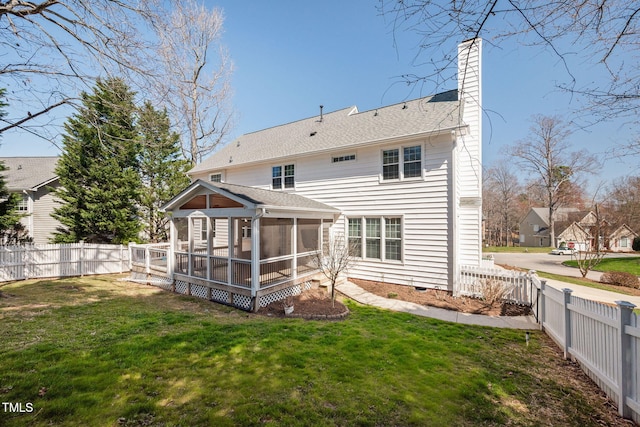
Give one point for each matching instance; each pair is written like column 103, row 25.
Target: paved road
column 542, row 262
column 553, row 264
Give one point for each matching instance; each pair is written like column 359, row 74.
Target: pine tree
column 100, row 184
column 162, row 169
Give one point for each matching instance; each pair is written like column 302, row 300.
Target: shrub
column 493, row 291
column 636, row 244
column 620, row 278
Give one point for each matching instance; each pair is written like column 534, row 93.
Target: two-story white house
column 402, row 183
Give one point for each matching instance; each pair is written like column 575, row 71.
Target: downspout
column 454, row 214
column 255, row 258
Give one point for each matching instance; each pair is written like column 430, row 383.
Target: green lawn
column 624, row 264
column 98, row 352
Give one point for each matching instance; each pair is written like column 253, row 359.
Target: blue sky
column 291, row 56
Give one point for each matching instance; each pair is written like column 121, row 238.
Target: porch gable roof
column 250, row 197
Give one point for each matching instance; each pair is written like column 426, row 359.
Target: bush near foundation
column 620, row 278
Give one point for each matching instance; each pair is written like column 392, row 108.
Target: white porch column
column 294, row 249
column 171, row 253
column 255, row 259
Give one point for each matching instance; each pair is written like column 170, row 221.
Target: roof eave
column 384, row 141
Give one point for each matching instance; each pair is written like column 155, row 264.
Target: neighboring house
column 401, row 182
column 574, row 228
column 33, row 178
column 534, row 227
column 621, row 240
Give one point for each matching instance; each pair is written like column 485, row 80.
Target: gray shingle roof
column 340, row 129
column 28, row 173
column 251, row 197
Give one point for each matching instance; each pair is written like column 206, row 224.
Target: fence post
column 147, row 259
column 626, row 362
column 81, row 258
column 567, row 321
column 541, row 304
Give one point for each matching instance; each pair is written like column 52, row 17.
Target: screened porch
column 244, row 246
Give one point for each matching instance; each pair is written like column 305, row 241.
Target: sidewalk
column 593, row 294
column 358, row 294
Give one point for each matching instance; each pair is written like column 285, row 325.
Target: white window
column 382, row 237
column 282, row 177
column 624, row 242
column 340, row 159
column 215, row 177
column 410, row 158
column 23, row 203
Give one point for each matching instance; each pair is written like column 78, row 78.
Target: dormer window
column 215, row 177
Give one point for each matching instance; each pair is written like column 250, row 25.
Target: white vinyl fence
column 474, row 281
column 61, row 260
column 604, row 339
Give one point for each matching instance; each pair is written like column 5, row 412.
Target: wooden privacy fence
column 604, row 339
column 61, row 260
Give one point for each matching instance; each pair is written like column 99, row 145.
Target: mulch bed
column 441, row 299
column 312, row 304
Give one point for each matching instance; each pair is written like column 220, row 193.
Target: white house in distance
column 33, row 178
column 401, row 182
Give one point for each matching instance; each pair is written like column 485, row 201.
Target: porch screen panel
column 242, row 238
column 308, row 235
column 182, row 234
column 219, row 237
column 275, row 237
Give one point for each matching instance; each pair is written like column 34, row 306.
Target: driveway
column 553, row 264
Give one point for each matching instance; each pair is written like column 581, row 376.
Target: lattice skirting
column 281, row 294
column 217, row 295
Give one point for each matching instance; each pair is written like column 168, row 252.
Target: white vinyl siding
column 422, row 205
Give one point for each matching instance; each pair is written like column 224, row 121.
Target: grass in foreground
column 94, row 351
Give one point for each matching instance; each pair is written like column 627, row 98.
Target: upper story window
column 283, row 177
column 340, row 159
column 23, row 203
column 215, row 177
column 409, row 157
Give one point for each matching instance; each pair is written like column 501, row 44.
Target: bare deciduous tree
column 546, row 156
column 501, row 190
column 623, row 202
column 197, row 72
column 53, row 49
column 335, row 259
column 603, row 33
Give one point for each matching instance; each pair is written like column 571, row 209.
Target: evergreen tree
column 12, row 231
column 99, row 169
column 162, row 170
